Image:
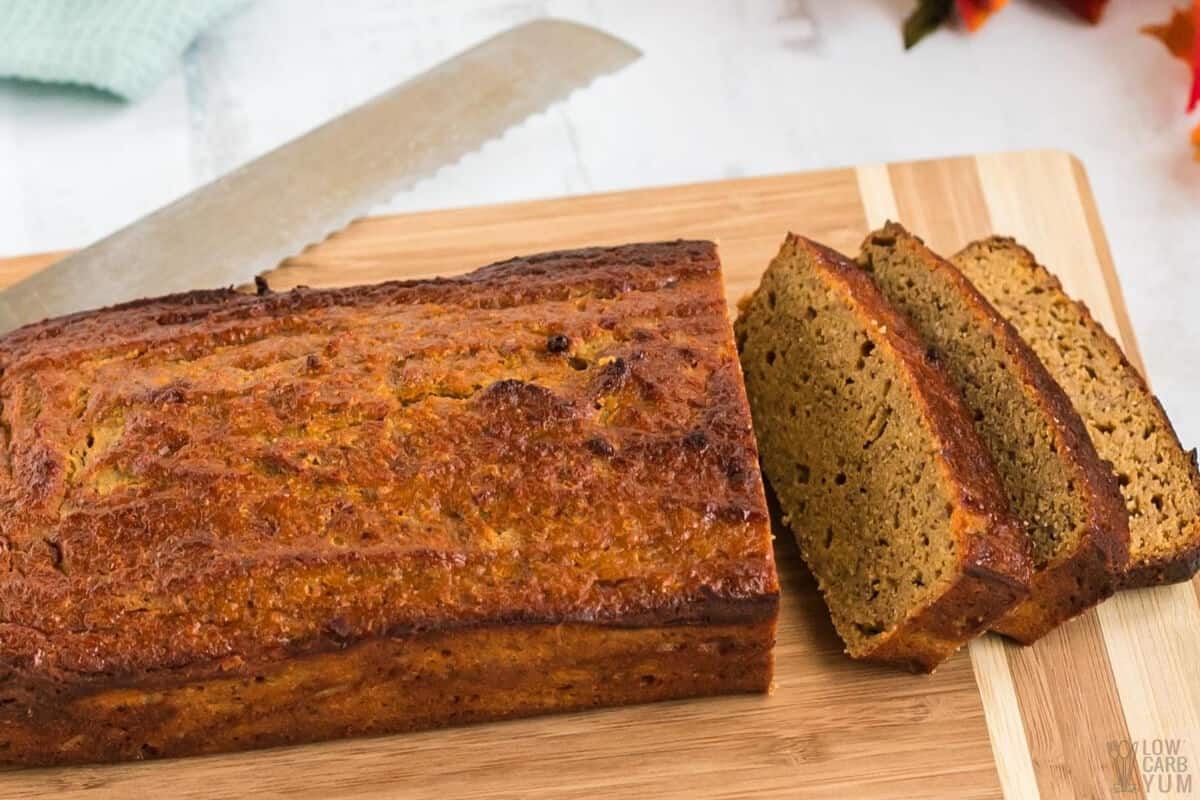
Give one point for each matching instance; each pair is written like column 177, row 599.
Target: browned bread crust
column 1035, row 301
column 992, row 556
column 1077, row 577
column 394, row 684
column 234, row 521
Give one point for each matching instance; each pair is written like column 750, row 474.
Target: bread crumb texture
column 1158, row 479
column 1061, row 492
column 875, row 464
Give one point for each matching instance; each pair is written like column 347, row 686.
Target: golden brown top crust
column 999, row 550
column 212, row 480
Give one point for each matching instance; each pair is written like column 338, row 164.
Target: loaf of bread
column 897, row 508
column 1158, row 478
column 234, row 521
column 1061, row 492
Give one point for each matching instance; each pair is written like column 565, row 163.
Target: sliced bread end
column 894, row 502
column 1158, row 479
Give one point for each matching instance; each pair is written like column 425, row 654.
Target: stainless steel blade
column 248, row 221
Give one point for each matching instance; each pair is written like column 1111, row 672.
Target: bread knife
column 228, row 231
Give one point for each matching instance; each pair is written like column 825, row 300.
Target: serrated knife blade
column 249, row 220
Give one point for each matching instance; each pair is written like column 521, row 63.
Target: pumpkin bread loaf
column 1157, row 477
column 1064, row 496
column 230, row 521
column 895, row 504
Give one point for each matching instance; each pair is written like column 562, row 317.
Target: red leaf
column 1091, row 10
column 976, row 12
column 1195, row 98
column 1181, row 36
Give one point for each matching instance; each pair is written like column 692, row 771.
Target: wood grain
column 1001, row 720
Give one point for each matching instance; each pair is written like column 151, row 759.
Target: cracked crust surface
column 199, row 485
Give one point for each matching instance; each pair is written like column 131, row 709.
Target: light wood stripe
column 941, row 201
column 1002, row 711
column 1150, row 633
column 878, row 199
column 1006, row 728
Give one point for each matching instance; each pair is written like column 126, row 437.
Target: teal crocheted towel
column 121, row 46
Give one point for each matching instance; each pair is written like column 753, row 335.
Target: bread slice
column 1158, row 479
column 1060, row 491
column 894, row 502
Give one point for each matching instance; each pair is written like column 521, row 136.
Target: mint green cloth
column 121, row 46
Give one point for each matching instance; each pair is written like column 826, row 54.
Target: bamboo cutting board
column 997, row 720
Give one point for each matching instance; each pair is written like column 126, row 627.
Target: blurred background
column 724, row 89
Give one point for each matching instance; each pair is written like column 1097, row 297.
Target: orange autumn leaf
column 1181, row 36
column 976, row 12
column 1196, row 142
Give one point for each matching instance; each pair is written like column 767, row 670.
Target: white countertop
column 725, row 89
